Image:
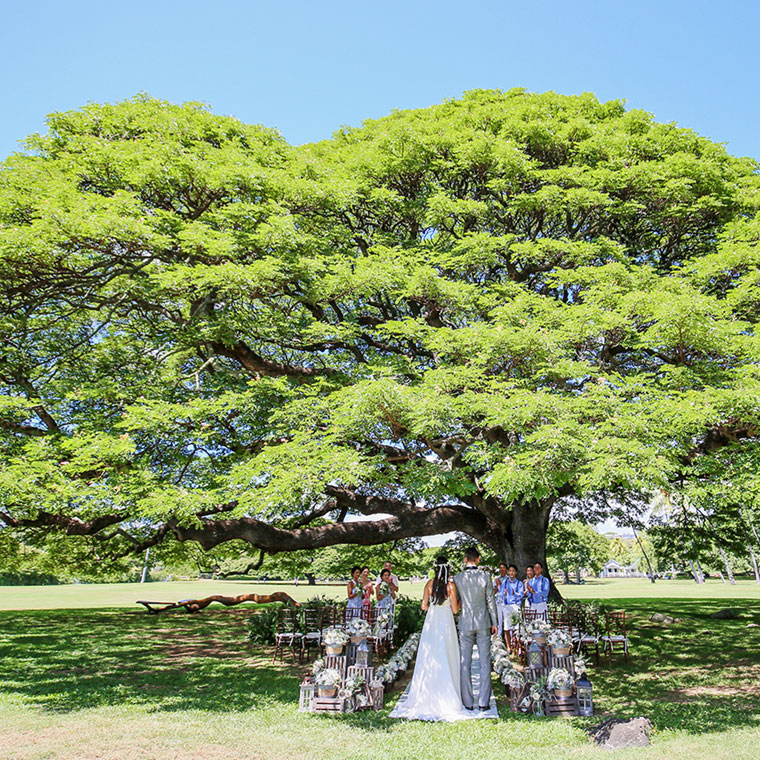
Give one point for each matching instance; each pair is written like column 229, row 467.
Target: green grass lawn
column 109, row 681
column 96, row 596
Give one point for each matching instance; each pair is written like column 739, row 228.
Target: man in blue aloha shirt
column 538, row 589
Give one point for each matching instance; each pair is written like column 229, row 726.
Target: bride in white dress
column 434, row 692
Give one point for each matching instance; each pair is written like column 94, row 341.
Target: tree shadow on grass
column 697, row 676
column 73, row 659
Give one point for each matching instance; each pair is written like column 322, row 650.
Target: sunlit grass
column 119, row 683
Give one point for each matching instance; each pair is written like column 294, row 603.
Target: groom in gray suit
column 478, row 615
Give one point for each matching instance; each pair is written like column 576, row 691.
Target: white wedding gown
column 434, row 691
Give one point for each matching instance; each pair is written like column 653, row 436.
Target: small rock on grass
column 727, row 614
column 615, row 733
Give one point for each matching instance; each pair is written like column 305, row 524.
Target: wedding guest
column 354, row 591
column 367, row 588
column 393, row 579
column 499, row 589
column 540, row 589
column 513, row 596
column 527, row 594
column 385, row 598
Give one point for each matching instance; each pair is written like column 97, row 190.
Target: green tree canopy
column 575, row 546
column 468, row 317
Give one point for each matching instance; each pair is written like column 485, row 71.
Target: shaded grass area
column 86, row 683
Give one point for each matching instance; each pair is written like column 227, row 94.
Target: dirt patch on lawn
column 695, row 692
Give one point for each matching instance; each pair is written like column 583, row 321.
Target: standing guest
column 499, row 588
column 514, row 591
column 393, row 579
column 354, row 592
column 367, row 588
column 385, row 596
column 539, row 586
column 527, row 593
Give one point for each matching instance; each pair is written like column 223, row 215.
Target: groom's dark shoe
column 468, row 708
column 481, row 708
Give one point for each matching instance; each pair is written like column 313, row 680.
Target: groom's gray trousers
column 466, row 641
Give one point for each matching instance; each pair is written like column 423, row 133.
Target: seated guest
column 539, row 586
column 514, row 591
column 385, row 597
column 355, row 591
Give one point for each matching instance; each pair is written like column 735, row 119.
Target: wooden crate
column 516, row 695
column 377, row 697
column 533, row 674
column 355, row 670
column 337, row 661
column 562, row 707
column 328, row 704
column 563, row 661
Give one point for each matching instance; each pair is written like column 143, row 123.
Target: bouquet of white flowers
column 357, row 627
column 500, row 663
column 537, row 627
column 559, row 678
column 335, row 637
column 559, row 638
column 580, row 667
column 328, row 678
column 539, row 693
column 319, row 664
column 512, row 677
column 355, row 683
column 384, row 588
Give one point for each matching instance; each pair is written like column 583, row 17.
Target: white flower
column 512, row 677
column 328, row 678
column 335, row 637
column 559, row 678
column 559, row 637
column 357, row 627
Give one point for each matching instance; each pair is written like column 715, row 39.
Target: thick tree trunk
column 311, row 578
column 521, row 539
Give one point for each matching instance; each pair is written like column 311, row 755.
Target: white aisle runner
column 475, row 714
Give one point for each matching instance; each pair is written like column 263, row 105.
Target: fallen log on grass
column 195, row 605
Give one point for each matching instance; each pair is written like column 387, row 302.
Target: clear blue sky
column 309, row 67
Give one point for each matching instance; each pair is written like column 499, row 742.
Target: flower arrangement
column 537, row 627
column 500, row 662
column 559, row 638
column 559, row 678
column 384, row 588
column 355, row 683
column 328, row 678
column 335, row 637
column 580, row 666
column 539, row 693
column 319, row 664
column 381, row 624
column 358, row 627
column 513, row 678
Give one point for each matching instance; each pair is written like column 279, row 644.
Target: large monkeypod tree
column 473, row 317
